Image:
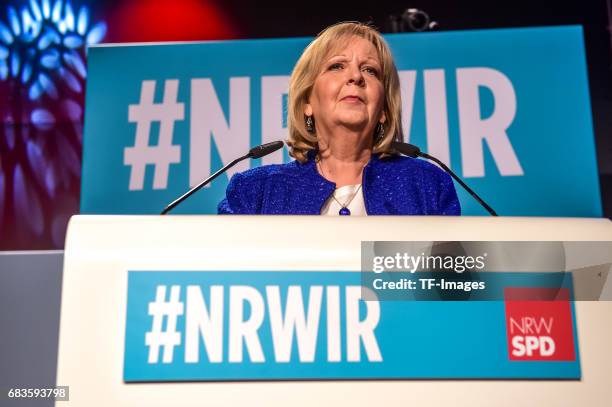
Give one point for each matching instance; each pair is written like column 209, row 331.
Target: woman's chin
column 357, row 126
column 355, row 122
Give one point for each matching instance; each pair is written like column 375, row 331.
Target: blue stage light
column 46, row 8
column 69, row 17
column 71, row 81
column 50, row 59
column 82, row 21
column 42, row 118
column 15, row 62
column 96, row 34
column 43, row 45
column 56, row 14
column 73, row 41
column 35, row 91
column 42, row 62
column 36, row 10
column 3, row 70
column 14, row 21
column 26, row 73
column 5, row 34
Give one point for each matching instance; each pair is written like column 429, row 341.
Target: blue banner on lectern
column 186, row 326
column 508, row 110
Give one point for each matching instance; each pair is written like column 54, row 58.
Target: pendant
column 344, row 211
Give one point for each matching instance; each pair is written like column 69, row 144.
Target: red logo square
column 539, row 324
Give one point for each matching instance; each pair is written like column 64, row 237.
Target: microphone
column 255, row 152
column 265, row 149
column 415, row 152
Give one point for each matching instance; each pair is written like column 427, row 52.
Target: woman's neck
column 343, row 167
column 343, row 155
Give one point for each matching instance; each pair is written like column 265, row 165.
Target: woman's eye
column 371, row 71
column 335, row 67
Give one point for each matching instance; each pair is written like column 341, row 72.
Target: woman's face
column 348, row 90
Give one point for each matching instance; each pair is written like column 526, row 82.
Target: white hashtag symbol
column 170, row 337
column 164, row 153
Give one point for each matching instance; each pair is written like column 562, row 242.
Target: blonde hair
column 306, row 70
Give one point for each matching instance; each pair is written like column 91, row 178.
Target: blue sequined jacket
column 391, row 186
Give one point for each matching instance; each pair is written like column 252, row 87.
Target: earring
column 380, row 133
column 309, row 124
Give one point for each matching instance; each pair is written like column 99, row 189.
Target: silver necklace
column 344, row 210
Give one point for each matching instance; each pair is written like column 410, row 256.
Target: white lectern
column 100, row 250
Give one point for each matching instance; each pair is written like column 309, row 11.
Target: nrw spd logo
column 539, row 324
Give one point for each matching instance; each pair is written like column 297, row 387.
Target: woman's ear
column 383, row 118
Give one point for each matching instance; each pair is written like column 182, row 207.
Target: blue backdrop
column 508, row 109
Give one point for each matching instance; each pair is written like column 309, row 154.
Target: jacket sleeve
column 236, row 198
column 448, row 203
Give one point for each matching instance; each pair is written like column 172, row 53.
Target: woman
column 344, row 111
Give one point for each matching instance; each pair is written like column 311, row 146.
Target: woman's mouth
column 352, row 99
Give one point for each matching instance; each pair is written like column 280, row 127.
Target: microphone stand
column 414, row 152
column 201, row 184
column 255, row 152
column 460, row 181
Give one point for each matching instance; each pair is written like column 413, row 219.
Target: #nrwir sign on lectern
column 200, row 303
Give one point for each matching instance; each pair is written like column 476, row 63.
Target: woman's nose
column 355, row 76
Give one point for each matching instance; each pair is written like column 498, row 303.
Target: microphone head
column 406, row 149
column 265, row 149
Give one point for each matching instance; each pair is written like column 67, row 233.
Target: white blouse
column 356, row 206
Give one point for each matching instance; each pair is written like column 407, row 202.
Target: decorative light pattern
column 42, row 73
column 42, row 38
